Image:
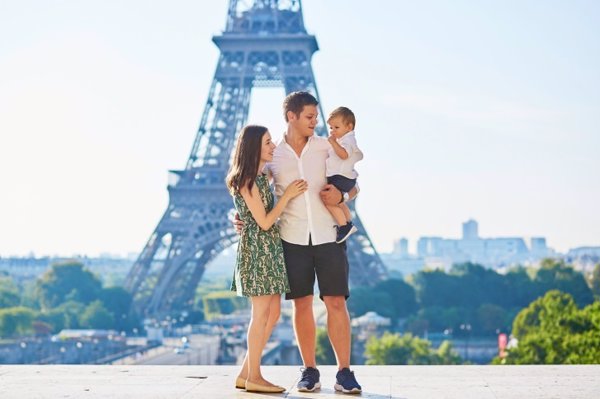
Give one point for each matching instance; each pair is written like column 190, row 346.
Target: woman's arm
column 257, row 209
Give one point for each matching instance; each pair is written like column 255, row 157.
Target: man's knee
column 303, row 304
column 335, row 303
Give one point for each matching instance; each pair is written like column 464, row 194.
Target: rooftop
column 400, row 382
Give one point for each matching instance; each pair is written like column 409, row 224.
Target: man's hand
column 331, row 195
column 237, row 223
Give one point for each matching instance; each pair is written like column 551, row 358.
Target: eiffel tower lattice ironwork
column 265, row 44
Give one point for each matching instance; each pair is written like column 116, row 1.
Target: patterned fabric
column 260, row 268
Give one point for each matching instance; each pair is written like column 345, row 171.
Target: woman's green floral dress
column 260, row 268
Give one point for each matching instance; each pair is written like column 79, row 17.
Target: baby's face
column 337, row 127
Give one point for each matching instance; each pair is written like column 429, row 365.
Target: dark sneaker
column 345, row 231
column 346, row 382
column 309, row 380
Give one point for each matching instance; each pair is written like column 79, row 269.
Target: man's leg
column 299, row 263
column 338, row 329
column 305, row 329
column 332, row 269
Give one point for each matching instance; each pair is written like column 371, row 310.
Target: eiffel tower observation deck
column 264, row 44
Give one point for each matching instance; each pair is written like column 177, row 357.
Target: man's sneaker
column 345, row 231
column 309, row 380
column 345, row 382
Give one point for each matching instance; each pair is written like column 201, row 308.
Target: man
column 308, row 235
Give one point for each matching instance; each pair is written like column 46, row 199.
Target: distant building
column 583, row 258
column 401, row 247
column 470, row 230
column 490, row 252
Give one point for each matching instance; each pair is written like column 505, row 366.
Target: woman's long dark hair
column 244, row 166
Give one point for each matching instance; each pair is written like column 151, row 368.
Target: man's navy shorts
column 328, row 262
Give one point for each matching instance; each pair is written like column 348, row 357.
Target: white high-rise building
column 470, row 230
column 401, row 247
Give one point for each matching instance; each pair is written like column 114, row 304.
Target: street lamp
column 23, row 346
column 79, row 347
column 467, row 329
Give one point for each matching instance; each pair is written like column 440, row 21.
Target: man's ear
column 291, row 116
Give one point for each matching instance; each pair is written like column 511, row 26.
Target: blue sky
column 465, row 109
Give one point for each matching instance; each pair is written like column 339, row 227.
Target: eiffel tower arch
column 264, row 44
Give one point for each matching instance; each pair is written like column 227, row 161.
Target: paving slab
column 394, row 382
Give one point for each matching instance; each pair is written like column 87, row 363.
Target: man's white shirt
column 305, row 216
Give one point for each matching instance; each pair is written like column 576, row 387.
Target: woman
column 260, row 269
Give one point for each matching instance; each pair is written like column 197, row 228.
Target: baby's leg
column 346, row 211
column 338, row 214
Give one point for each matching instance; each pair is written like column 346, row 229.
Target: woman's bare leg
column 273, row 318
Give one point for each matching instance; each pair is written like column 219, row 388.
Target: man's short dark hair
column 296, row 101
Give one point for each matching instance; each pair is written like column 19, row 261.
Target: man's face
column 304, row 123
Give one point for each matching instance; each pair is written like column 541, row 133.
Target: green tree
column 557, row 275
column 480, row 285
column 552, row 330
column 68, row 281
column 447, row 355
column 403, row 297
column 63, row 316
column 324, row 351
column 16, row 321
column 9, row 294
column 97, row 316
column 437, row 288
column 222, row 302
column 595, row 281
column 404, row 349
column 117, row 301
column 491, row 318
column 520, row 288
column 438, row 318
column 367, row 299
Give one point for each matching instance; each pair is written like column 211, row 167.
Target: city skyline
column 484, row 111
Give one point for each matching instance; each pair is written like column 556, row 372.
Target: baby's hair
column 344, row 113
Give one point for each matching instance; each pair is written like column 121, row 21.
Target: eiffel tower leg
column 198, row 199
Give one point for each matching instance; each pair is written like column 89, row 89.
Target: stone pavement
column 399, row 382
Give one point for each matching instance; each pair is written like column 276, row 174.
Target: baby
column 344, row 153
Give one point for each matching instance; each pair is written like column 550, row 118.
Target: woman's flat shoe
column 252, row 387
column 240, row 383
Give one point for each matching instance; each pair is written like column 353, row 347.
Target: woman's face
column 267, row 148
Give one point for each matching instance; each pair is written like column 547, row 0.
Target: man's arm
column 330, row 195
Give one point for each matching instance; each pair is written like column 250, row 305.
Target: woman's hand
column 295, row 188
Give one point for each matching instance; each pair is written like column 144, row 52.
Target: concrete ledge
column 399, row 382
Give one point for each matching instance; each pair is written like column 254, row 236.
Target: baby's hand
column 331, row 138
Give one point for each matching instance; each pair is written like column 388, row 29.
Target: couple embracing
column 285, row 244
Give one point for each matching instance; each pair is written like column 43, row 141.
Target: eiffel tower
column 265, row 44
